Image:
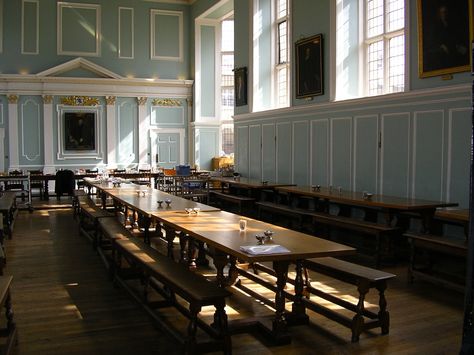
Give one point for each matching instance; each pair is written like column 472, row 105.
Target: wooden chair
column 36, row 184
column 16, row 185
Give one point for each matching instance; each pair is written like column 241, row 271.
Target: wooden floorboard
column 65, row 304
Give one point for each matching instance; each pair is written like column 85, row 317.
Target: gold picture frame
column 309, row 67
column 444, row 37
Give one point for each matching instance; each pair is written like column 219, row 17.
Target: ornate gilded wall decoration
column 47, row 99
column 166, row 102
column 12, row 99
column 141, row 100
column 80, row 101
column 110, row 100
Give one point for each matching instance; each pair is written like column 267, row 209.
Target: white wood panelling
column 132, row 30
column 416, row 118
column 283, row 126
column 2, row 149
column 14, row 158
column 78, row 6
column 111, row 135
column 401, row 115
column 36, row 129
column 332, row 142
column 143, row 126
column 122, row 158
column 1, row 26
column 357, row 119
column 48, row 138
column 450, row 148
column 153, row 50
column 23, row 29
column 314, row 124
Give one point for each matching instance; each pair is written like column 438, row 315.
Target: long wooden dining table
column 143, row 200
column 220, row 231
column 389, row 205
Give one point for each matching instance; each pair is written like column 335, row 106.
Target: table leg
column 279, row 325
column 427, row 220
column 298, row 311
column 220, row 261
column 46, row 190
column 146, row 221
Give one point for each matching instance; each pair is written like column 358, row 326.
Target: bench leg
column 384, row 316
column 220, row 323
column 170, row 234
column 190, row 342
column 201, row 259
column 358, row 320
column 183, row 240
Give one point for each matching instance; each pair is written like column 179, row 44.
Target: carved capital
column 48, row 99
column 110, row 100
column 166, row 102
column 80, row 101
column 190, row 102
column 12, row 99
column 141, row 100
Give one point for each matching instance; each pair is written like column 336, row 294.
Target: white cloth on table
column 264, row 249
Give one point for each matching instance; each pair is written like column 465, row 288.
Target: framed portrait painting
column 79, row 131
column 309, row 66
column 444, row 37
column 240, row 86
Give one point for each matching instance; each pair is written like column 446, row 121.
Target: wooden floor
column 65, row 304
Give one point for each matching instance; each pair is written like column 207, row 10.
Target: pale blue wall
column 78, row 26
column 127, row 131
column 12, row 61
column 424, row 134
column 30, row 130
column 208, row 71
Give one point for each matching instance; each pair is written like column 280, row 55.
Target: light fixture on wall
column 24, row 71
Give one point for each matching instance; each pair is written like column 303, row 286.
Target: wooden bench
column 378, row 230
column 240, row 201
column 366, row 227
column 9, row 211
column 169, row 279
column 456, row 247
column 89, row 216
column 364, row 278
column 108, row 230
column 9, row 332
column 297, row 214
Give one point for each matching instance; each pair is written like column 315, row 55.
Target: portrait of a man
column 443, row 37
column 309, row 70
column 79, row 130
column 240, row 86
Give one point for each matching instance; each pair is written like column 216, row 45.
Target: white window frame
column 363, row 52
column 219, row 86
column 385, row 37
column 275, row 50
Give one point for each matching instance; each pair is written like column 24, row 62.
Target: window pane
column 282, row 47
column 227, row 65
column 227, row 102
column 374, row 18
column 227, row 41
column 395, row 15
column 228, row 138
column 396, row 61
column 375, row 68
column 282, row 87
column 282, row 9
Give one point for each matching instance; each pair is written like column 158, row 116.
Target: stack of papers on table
column 264, row 249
